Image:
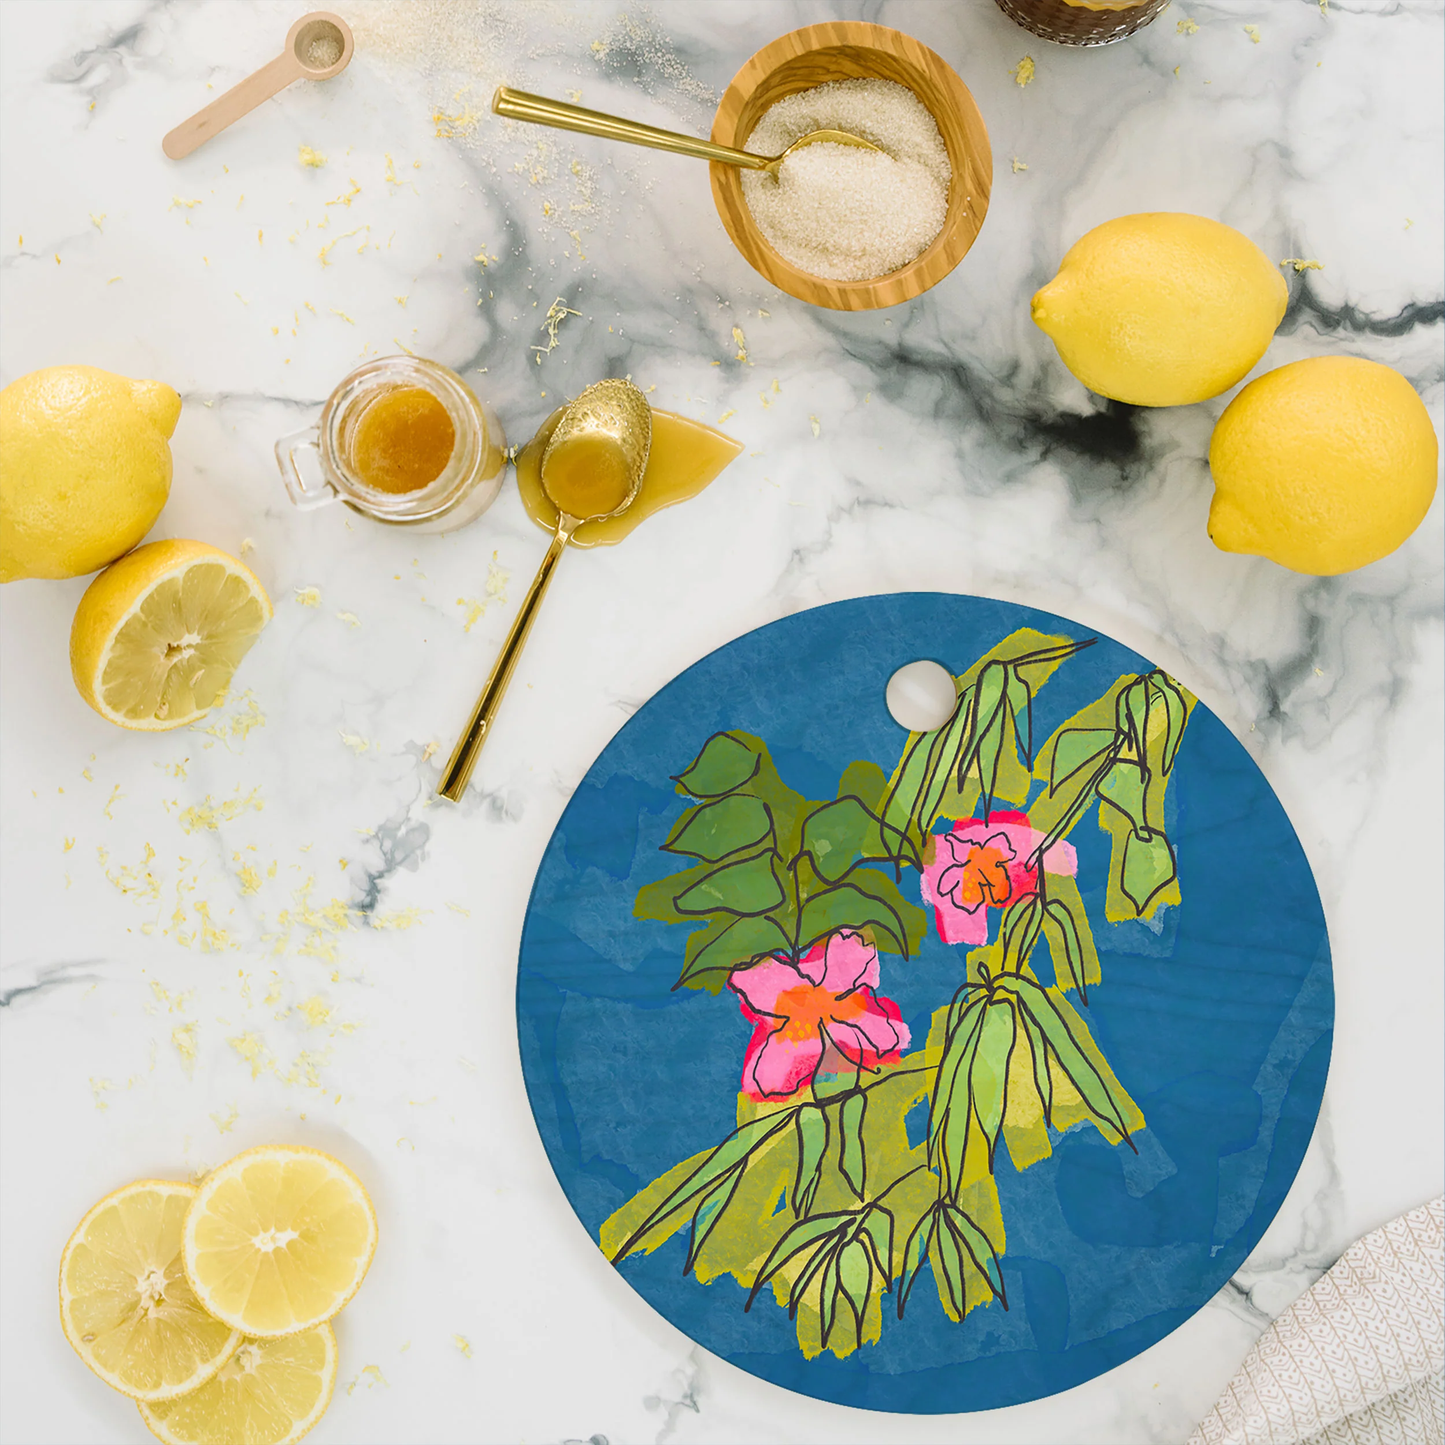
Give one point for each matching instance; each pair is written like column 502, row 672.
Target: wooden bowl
column 845, row 50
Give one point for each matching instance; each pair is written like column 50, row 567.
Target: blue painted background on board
column 1218, row 1024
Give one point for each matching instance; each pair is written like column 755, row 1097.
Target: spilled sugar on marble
column 841, row 212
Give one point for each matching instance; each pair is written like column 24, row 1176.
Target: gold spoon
column 592, row 468
column 518, row 105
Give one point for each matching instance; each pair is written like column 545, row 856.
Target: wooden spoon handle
column 244, row 96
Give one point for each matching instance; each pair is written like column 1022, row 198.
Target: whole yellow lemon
column 85, row 468
column 1322, row 465
column 1162, row 309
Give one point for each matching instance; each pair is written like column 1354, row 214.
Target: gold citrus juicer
column 592, row 468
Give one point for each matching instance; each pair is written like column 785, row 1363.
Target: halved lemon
column 125, row 1303
column 278, row 1240
column 270, row 1392
column 158, row 634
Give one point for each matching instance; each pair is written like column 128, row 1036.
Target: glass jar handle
column 288, row 457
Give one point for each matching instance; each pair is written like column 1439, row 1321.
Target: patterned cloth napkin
column 1358, row 1360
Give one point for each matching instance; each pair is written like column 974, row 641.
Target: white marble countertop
column 941, row 445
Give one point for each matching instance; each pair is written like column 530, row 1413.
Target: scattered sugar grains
column 841, row 212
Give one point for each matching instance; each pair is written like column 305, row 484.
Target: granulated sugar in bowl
column 842, row 212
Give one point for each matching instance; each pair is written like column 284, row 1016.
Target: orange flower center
column 983, row 874
column 805, row 1007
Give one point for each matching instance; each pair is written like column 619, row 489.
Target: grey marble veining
column 936, row 445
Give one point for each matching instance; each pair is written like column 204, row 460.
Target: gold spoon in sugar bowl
column 592, row 468
column 518, row 105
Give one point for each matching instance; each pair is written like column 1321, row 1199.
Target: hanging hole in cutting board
column 921, row 696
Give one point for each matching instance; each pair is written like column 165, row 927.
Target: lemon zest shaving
column 252, row 1049
column 183, row 1036
column 210, row 815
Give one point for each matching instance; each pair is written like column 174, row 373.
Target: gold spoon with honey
column 592, row 468
column 518, row 105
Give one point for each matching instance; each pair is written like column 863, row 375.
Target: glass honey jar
column 402, row 440
column 1082, row 22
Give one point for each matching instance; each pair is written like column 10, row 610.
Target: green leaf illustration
column 719, row 829
column 900, row 805
column 828, row 1295
column 963, row 999
column 852, row 1163
column 950, row 1110
column 943, row 760
column 877, row 1234
column 865, row 899
column 813, row 1233
column 1149, row 867
column 1020, row 698
column 727, row 943
column 811, row 1124
column 1059, row 1035
column 914, row 1253
column 988, row 1074
column 990, row 723
column 840, row 834
column 865, row 781
column 1065, row 948
column 725, row 763
column 1074, row 750
column 946, row 1255
column 990, row 754
column 824, row 1254
column 709, row 1212
column 855, row 1274
column 1176, row 708
column 1137, row 699
column 749, row 887
column 1123, row 788
column 1038, row 1050
column 732, row 1154
column 1019, row 930
column 975, row 1246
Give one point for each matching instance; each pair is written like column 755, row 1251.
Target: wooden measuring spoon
column 320, row 30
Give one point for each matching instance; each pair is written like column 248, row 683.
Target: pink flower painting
column 982, row 865
column 820, row 1015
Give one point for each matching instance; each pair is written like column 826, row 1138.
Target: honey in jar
column 401, row 440
column 1082, row 22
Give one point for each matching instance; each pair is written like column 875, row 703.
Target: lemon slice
column 278, row 1240
column 270, row 1392
column 158, row 634
column 125, row 1302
